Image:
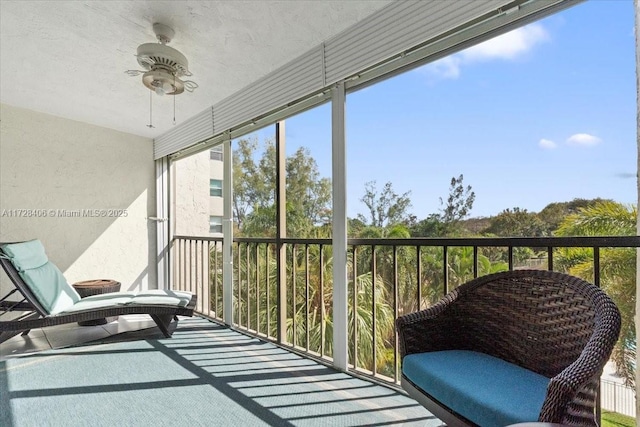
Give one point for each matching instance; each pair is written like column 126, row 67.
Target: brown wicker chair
column 32, row 314
column 550, row 323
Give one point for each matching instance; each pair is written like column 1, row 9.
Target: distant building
column 197, row 206
column 215, row 191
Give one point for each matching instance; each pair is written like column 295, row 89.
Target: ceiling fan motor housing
column 155, row 54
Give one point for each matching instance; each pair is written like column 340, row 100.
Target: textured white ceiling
column 68, row 58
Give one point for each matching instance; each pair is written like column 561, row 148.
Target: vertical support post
column 636, row 5
column 162, row 227
column 445, row 271
column 419, row 276
column 175, row 262
column 339, row 229
column 354, row 262
column 281, row 230
column 227, row 233
column 596, row 281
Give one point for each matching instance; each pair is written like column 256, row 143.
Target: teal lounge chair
column 45, row 298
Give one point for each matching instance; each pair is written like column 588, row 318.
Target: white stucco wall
column 57, row 168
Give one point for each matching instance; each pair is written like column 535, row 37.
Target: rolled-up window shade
column 197, row 129
column 397, row 28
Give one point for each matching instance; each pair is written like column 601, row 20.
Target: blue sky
column 546, row 113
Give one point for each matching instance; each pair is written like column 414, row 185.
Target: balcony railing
column 386, row 279
column 617, row 397
column 197, row 268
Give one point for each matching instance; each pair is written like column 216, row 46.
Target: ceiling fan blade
column 190, row 85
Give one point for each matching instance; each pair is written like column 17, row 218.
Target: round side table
column 95, row 287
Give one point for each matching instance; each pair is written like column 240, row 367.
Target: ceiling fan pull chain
column 174, row 99
column 150, row 125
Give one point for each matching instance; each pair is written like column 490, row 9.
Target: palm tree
column 617, row 268
column 460, row 265
column 309, row 321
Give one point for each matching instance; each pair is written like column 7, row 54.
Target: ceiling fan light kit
column 163, row 82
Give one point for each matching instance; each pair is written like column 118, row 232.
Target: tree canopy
column 517, row 222
column 254, row 201
column 386, row 208
column 447, row 222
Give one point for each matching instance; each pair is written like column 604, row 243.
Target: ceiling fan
column 164, row 66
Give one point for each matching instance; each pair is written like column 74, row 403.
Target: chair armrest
column 571, row 387
column 428, row 330
column 576, row 385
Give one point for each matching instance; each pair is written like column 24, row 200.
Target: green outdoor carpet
column 206, row 375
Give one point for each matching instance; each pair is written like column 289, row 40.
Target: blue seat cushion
column 481, row 388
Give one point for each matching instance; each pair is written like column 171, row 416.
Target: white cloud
column 583, row 139
column 509, row 46
column 547, row 144
column 448, row 68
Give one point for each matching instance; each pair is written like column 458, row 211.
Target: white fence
column 618, row 398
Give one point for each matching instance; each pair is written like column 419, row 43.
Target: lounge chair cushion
column 151, row 297
column 26, row 255
column 90, row 303
column 484, row 389
column 157, row 296
column 43, row 278
column 163, row 297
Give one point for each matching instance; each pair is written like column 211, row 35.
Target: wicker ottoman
column 95, row 287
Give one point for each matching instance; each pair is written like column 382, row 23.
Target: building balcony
column 272, row 366
column 103, row 188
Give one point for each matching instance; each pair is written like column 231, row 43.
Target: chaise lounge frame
column 35, row 316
